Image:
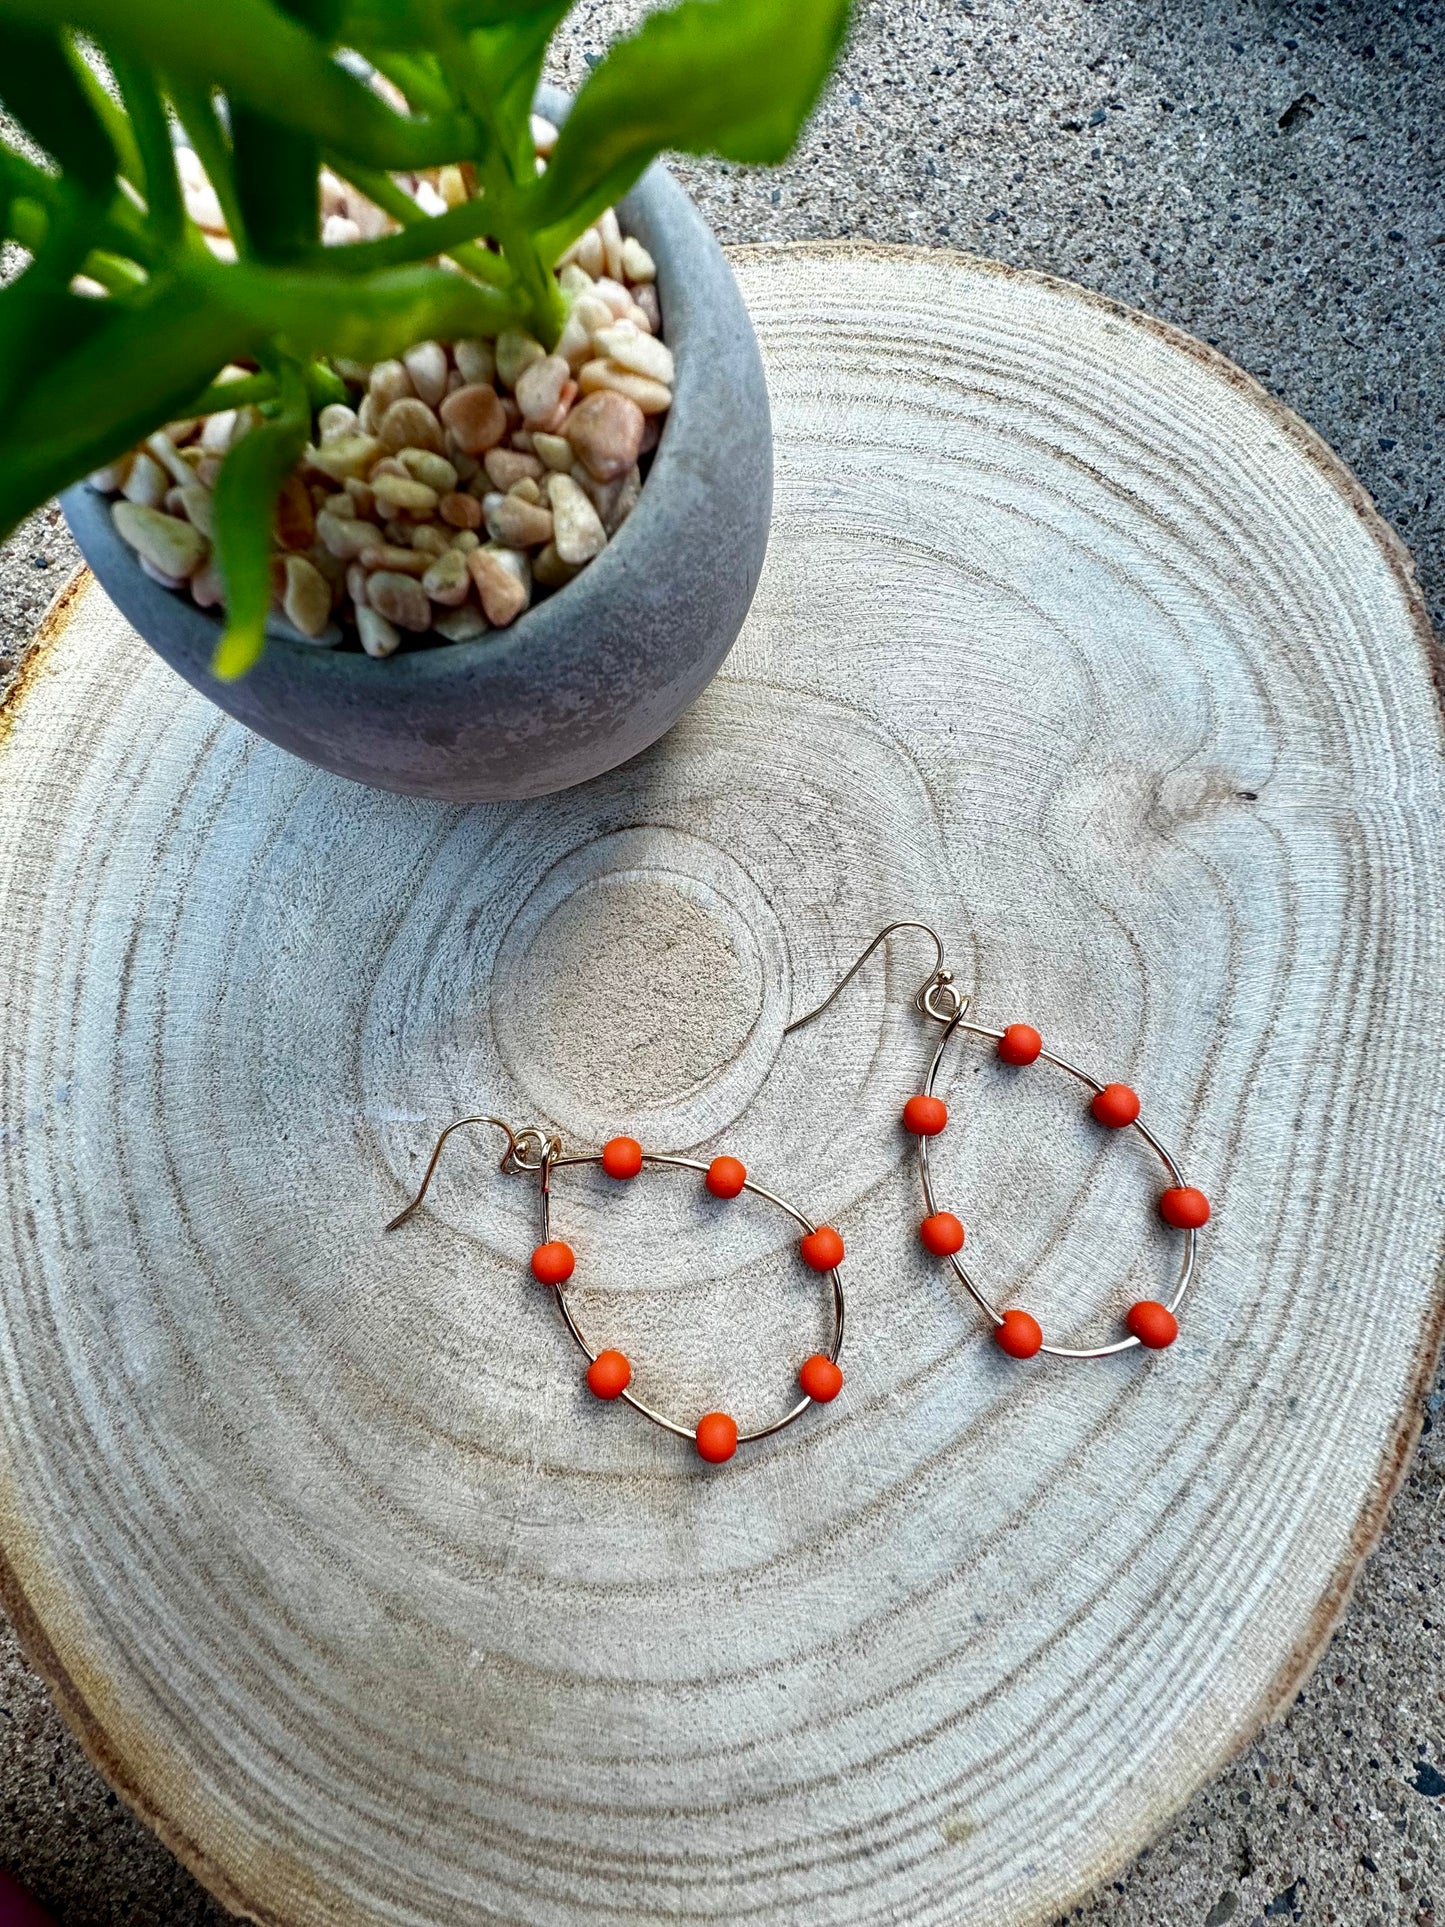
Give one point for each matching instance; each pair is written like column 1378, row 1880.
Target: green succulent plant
column 265, row 95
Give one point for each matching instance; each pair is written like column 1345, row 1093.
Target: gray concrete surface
column 1272, row 177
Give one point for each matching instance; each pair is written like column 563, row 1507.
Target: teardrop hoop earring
column 1115, row 1106
column 539, row 1153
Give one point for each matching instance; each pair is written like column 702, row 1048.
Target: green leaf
column 257, row 55
column 41, row 89
column 111, row 117
column 134, row 365
column 250, row 480
column 374, row 24
column 196, row 110
column 731, row 77
column 511, row 54
column 316, row 313
column 152, row 130
column 277, row 173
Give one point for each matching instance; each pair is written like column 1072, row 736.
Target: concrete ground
column 1270, row 176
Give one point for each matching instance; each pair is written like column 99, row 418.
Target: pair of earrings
column 1114, row 1106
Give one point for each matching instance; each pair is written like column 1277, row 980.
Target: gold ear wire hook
column 508, row 1157
column 937, row 976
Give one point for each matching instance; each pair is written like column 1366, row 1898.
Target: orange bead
column 822, row 1249
column 1116, row 1105
column 717, row 1437
column 1019, row 1335
column 1184, row 1207
column 622, row 1157
column 820, row 1378
column 726, row 1177
column 1152, row 1324
column 942, row 1234
column 1020, row 1044
column 553, row 1264
column 609, row 1374
column 925, row 1116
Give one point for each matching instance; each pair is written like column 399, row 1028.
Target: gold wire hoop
column 985, row 1303
column 534, row 1151
column 627, row 1395
column 939, row 998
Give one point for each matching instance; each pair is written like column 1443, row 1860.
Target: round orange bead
column 1020, row 1044
column 1154, row 1325
column 1116, row 1105
column 1184, row 1207
column 726, row 1177
column 822, row 1249
column 622, row 1157
column 1019, row 1335
column 717, row 1437
column 942, row 1234
column 925, row 1116
column 609, row 1374
column 554, row 1263
column 820, row 1378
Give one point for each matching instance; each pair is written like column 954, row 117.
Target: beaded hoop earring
column 1182, row 1206
column 609, row 1373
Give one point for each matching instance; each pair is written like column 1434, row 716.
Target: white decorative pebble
column 401, row 599
column 579, row 532
column 207, row 589
column 111, row 479
column 399, row 494
column 555, row 451
column 174, row 547
column 345, row 538
column 461, row 625
column 409, row 423
column 504, row 583
column 149, row 568
column 307, row 600
column 539, row 387
column 345, row 459
column 574, row 344
column 611, row 242
column 423, row 466
column 448, row 580
column 637, row 264
column 199, row 506
column 336, row 421
column 652, row 397
column 618, row 299
column 378, row 636
column 389, row 382
column 428, row 367
column 516, row 351
column 146, row 483
column 639, row 352
column 516, row 523
column 506, row 467
column 476, row 360
column 163, row 450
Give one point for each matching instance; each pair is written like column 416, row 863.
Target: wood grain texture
column 1069, row 640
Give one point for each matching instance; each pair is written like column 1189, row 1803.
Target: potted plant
column 427, row 435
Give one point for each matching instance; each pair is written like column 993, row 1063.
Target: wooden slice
column 1073, row 643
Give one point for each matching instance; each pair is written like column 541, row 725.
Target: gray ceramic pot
column 590, row 676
